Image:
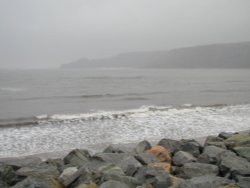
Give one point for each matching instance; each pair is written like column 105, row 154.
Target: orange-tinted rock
column 162, row 166
column 160, row 153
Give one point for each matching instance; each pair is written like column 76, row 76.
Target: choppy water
column 66, row 109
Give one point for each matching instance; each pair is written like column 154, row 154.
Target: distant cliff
column 233, row 55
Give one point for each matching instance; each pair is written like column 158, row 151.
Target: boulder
column 90, row 185
column 243, row 182
column 35, row 182
column 112, row 149
column 161, row 180
column 229, row 186
column 210, row 154
column 225, row 135
column 77, row 157
column 182, row 157
column 190, row 170
column 175, row 181
column 113, row 184
column 161, row 153
column 68, row 176
column 167, row 167
column 125, row 161
column 238, row 140
column 207, row 181
column 142, row 147
column 191, row 146
column 146, row 158
column 215, row 141
column 170, row 145
column 40, row 171
column 243, row 152
column 112, row 172
column 58, row 163
column 8, row 176
column 230, row 163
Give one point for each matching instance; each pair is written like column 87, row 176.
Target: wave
column 12, row 89
column 144, row 111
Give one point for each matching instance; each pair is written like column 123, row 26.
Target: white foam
column 65, row 132
column 12, row 89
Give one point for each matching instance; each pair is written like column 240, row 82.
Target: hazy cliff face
column 36, row 34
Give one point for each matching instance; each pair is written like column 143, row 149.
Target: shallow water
column 65, row 109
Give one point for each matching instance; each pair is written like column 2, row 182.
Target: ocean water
column 57, row 110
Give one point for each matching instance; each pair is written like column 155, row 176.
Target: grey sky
column 47, row 33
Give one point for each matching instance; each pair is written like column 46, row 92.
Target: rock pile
column 223, row 162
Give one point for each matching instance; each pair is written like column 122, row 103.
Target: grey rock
column 171, row 145
column 161, row 180
column 127, row 162
column 8, row 175
column 238, row 140
column 146, row 158
column 142, row 147
column 36, row 182
column 243, row 182
column 113, row 184
column 207, row 181
column 243, row 152
column 190, row 170
column 182, row 157
column 68, row 176
column 230, row 163
column 58, row 163
column 210, row 154
column 225, row 135
column 215, row 141
column 112, row 172
column 77, row 157
column 112, row 149
column 40, row 171
column 191, row 146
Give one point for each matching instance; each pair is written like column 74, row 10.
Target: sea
column 43, row 111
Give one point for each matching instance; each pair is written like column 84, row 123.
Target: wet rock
column 113, row 184
column 35, row 182
column 91, row 185
column 112, row 149
column 175, row 181
column 171, row 145
column 243, row 152
column 243, row 182
column 229, row 186
column 77, row 157
column 58, row 163
column 161, row 153
column 207, row 181
column 238, row 140
column 191, row 146
column 142, row 147
column 190, row 170
column 225, row 135
column 146, row 158
column 160, row 180
column 215, row 141
column 8, row 176
column 127, row 162
column 68, row 176
column 230, row 163
column 182, row 157
column 40, row 171
column 210, row 154
column 167, row 167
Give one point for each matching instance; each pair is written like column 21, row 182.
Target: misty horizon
column 47, row 34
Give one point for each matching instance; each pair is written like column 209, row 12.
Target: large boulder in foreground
column 190, row 170
column 210, row 154
column 182, row 157
column 243, row 152
column 77, row 157
column 207, row 181
column 238, row 140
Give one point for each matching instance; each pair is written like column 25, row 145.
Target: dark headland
column 220, row 162
column 231, row 55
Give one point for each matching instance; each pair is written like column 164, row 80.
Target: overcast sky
column 47, row 33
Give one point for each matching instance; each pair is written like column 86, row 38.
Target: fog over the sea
column 47, row 33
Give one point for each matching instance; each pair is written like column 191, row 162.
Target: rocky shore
column 223, row 161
